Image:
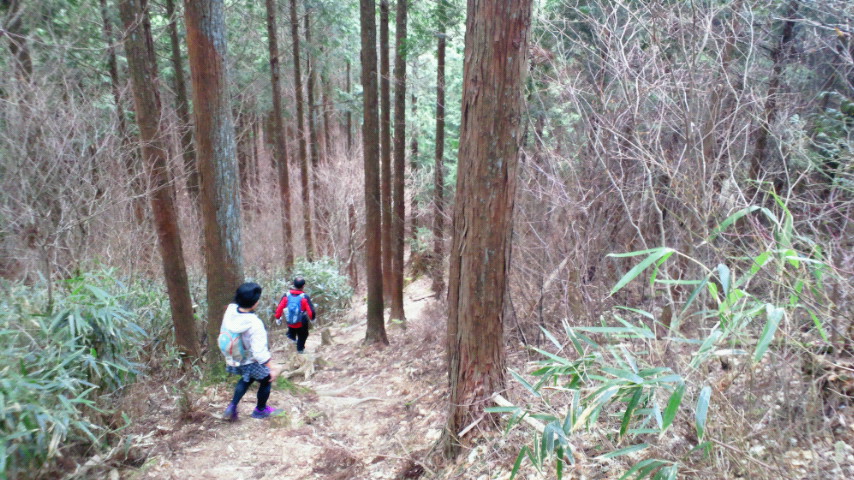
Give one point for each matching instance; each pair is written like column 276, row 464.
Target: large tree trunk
column 399, row 210
column 496, row 51
column 314, row 151
column 142, row 66
column 327, row 118
column 439, row 177
column 215, row 148
column 375, row 332
column 303, row 155
column 182, row 106
column 385, row 149
column 281, row 150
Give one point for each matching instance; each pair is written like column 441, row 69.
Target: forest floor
column 363, row 413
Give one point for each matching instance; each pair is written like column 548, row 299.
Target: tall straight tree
column 496, row 49
column 413, row 170
column 385, row 148
column 375, row 332
column 398, row 200
column 349, row 114
column 142, row 67
column 303, row 155
column 314, row 151
column 14, row 31
column 182, row 106
column 439, row 176
column 216, row 151
column 281, row 150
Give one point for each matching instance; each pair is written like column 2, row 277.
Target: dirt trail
column 364, row 413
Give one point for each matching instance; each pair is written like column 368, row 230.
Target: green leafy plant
column 613, row 386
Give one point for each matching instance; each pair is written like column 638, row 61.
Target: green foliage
column 612, row 383
column 330, row 290
column 54, row 367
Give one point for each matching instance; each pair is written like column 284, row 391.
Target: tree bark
column 438, row 176
column 327, row 118
column 385, row 150
column 182, row 106
column 496, row 48
column 349, row 114
column 303, row 155
column 312, row 130
column 142, row 66
column 413, row 169
column 215, row 148
column 399, row 211
column 375, row 332
column 281, row 150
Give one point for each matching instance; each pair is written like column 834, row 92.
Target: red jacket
column 306, row 307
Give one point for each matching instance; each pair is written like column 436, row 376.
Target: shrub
column 55, row 366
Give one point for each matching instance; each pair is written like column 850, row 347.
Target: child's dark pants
column 263, row 391
column 299, row 334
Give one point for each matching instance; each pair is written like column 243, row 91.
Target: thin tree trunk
column 439, row 174
column 182, row 106
column 778, row 58
column 327, row 125
column 303, row 155
column 496, row 49
column 413, row 169
column 385, row 149
column 375, row 332
column 215, row 149
column 399, row 211
column 349, row 114
column 281, row 150
column 312, row 129
column 142, row 66
column 352, row 269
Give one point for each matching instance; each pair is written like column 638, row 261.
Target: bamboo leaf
column 775, row 315
column 724, row 276
column 702, row 410
column 624, row 451
column 673, row 406
column 655, row 255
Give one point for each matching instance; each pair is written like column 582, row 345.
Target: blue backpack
column 295, row 313
column 231, row 345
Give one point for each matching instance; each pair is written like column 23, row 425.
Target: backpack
column 295, row 313
column 231, row 345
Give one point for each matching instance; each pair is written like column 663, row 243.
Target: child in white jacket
column 250, row 358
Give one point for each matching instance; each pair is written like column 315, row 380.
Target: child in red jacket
column 300, row 312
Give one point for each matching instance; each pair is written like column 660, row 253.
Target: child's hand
column 274, row 371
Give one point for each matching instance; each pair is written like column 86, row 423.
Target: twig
column 754, row 460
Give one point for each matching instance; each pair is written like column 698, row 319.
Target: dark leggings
column 263, row 391
column 299, row 334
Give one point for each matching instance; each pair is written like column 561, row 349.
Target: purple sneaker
column 268, row 410
column 230, row 413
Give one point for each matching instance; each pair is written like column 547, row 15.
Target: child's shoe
column 230, row 413
column 268, row 410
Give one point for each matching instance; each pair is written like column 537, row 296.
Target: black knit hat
column 247, row 295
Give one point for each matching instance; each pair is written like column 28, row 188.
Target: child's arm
column 283, row 303
column 308, row 307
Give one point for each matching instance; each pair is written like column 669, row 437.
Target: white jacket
column 252, row 332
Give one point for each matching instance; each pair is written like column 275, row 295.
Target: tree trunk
column 182, row 106
column 303, row 155
column 496, row 51
column 281, row 150
column 18, row 40
column 349, row 114
column 413, row 169
column 142, row 66
column 778, row 57
column 375, row 332
column 385, row 149
column 399, row 211
column 327, row 125
column 352, row 269
column 312, row 130
column 439, row 177
column 215, row 147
